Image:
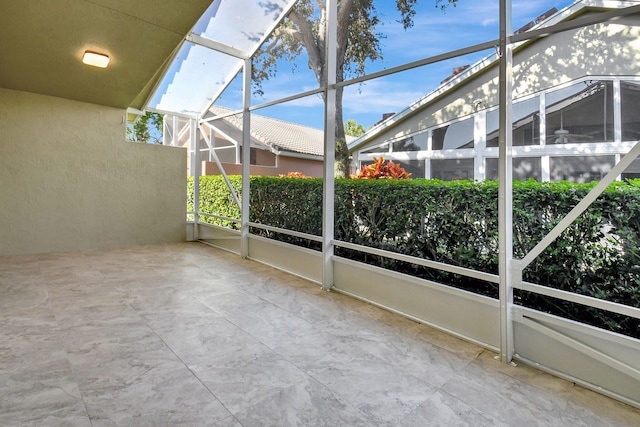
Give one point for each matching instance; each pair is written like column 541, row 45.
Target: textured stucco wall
column 70, row 181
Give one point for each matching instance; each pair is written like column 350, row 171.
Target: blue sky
column 434, row 32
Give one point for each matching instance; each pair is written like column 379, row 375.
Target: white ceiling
column 42, row 42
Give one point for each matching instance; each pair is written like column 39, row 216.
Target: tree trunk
column 342, row 152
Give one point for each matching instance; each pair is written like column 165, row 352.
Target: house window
column 630, row 105
column 580, row 113
column 220, row 141
column 526, row 124
column 453, row 136
column 580, row 168
column 452, row 169
column 412, row 143
column 523, row 168
column 225, row 154
column 414, row 167
column 633, row 171
column 378, row 149
column 260, row 157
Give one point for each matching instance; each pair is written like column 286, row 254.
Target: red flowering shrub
column 294, row 175
column 381, row 170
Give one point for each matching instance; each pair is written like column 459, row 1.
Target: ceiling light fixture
column 95, row 59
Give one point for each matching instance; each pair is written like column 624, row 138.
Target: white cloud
column 377, row 97
column 487, row 22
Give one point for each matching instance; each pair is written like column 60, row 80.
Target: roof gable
column 455, row 81
column 280, row 136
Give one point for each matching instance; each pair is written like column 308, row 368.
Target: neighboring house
column 575, row 108
column 277, row 147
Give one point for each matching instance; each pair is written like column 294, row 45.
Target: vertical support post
column 328, row 199
column 480, row 138
column 505, row 196
column 246, row 157
column 545, row 159
column 194, row 134
column 617, row 111
column 174, row 131
column 427, row 161
column 166, row 134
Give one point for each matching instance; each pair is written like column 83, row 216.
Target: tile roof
column 278, row 134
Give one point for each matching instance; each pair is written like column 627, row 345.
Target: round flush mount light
column 95, row 59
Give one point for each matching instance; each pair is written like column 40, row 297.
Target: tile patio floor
column 188, row 335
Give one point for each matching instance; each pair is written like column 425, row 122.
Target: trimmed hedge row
column 216, row 199
column 456, row 222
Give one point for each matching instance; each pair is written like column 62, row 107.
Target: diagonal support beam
column 580, row 207
column 221, row 168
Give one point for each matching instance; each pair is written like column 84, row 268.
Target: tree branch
column 346, row 8
column 316, row 55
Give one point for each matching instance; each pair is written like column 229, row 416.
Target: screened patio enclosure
column 220, row 47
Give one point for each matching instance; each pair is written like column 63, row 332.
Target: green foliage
column 456, row 223
column 352, row 128
column 596, row 256
column 216, row 199
column 292, row 203
column 147, row 128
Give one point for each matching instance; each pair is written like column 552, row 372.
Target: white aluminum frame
column 480, row 153
column 572, row 350
column 505, row 190
column 328, row 198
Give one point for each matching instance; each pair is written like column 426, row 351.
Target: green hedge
column 216, row 199
column 457, row 223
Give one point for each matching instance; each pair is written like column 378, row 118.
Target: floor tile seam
column 512, row 364
column 72, row 370
column 515, row 381
column 510, row 402
column 84, row 403
column 573, row 408
column 305, row 377
column 213, row 312
column 369, row 415
column 467, row 361
column 364, row 414
column 399, row 422
column 492, row 416
column 303, row 371
column 280, row 307
column 333, row 335
column 337, row 396
column 266, row 345
column 192, row 373
column 512, row 384
column 508, row 379
column 479, row 410
column 574, row 401
column 301, row 318
column 332, row 393
column 445, row 346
